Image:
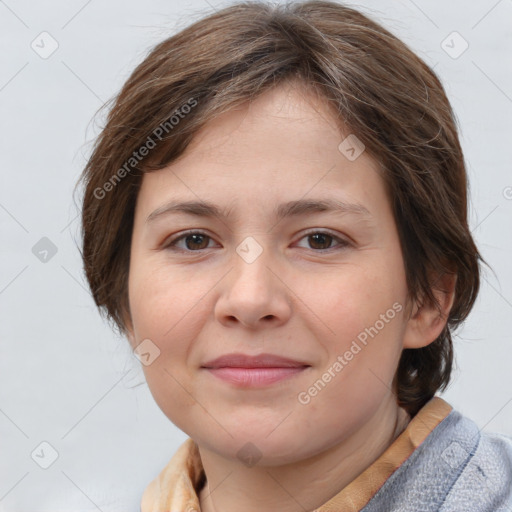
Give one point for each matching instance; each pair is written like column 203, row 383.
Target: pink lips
column 254, row 371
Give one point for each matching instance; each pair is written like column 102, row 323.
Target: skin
column 301, row 298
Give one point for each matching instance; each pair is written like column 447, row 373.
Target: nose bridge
column 251, row 263
column 252, row 292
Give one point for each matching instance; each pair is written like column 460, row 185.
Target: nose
column 254, row 293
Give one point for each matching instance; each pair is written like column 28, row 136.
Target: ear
column 426, row 322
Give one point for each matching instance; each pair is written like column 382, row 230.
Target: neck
column 299, row 486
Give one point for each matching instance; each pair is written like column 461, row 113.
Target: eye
column 195, row 241
column 324, row 240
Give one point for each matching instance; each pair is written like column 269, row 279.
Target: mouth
column 254, row 371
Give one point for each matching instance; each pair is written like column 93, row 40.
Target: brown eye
column 194, row 241
column 320, row 239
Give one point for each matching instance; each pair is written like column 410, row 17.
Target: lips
column 263, row 370
column 237, row 360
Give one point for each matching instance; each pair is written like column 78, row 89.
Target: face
column 324, row 288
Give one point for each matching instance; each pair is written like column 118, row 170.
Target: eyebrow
column 292, row 208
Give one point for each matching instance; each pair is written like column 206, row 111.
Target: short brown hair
column 382, row 91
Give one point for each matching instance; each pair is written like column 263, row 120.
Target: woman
column 275, row 215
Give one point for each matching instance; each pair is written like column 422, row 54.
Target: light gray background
column 65, row 377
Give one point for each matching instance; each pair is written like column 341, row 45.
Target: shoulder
column 484, row 482
column 457, row 468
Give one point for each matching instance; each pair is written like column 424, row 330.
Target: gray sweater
column 456, row 469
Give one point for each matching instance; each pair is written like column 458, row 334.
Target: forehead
column 284, row 145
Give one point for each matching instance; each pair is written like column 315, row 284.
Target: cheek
column 161, row 301
column 355, row 297
column 169, row 389
column 363, row 313
column 366, row 313
column 169, row 312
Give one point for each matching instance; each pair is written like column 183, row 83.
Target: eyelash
column 170, row 244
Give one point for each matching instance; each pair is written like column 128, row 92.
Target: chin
column 257, row 447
